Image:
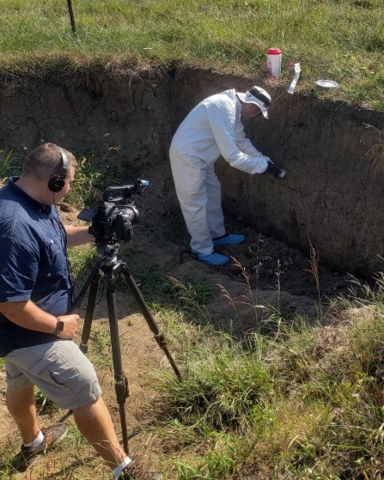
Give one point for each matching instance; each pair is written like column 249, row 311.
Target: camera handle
column 106, row 269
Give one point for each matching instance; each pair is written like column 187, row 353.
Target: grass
column 101, row 347
column 43, row 404
column 11, row 164
column 307, row 404
column 342, row 40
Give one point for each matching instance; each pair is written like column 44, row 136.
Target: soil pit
column 334, row 153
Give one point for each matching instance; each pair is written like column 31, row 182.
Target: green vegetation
column 101, row 347
column 43, row 404
column 160, row 289
column 306, row 404
column 11, row 164
column 342, row 40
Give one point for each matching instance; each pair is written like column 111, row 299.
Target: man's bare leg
column 22, row 407
column 95, row 423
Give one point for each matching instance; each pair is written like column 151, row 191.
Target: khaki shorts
column 59, row 369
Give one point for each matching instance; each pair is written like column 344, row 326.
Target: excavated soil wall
column 333, row 193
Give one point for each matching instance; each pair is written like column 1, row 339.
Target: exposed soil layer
column 333, row 194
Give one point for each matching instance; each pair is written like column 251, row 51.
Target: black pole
column 89, row 313
column 95, row 271
column 71, row 16
column 121, row 382
column 159, row 337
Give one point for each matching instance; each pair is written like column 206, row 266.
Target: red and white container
column 274, row 62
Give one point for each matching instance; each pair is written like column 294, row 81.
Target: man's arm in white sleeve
column 223, row 125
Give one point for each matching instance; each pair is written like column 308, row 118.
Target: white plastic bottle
column 274, row 62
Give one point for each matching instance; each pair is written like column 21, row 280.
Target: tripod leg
column 89, row 313
column 121, row 382
column 159, row 337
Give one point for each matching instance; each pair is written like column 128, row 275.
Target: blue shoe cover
column 229, row 239
column 212, row 259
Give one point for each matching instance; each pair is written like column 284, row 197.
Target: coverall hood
column 257, row 96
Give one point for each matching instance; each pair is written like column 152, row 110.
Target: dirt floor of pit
column 263, row 272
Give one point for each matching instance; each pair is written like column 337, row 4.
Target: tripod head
column 108, row 254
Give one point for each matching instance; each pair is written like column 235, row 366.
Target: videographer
column 35, row 332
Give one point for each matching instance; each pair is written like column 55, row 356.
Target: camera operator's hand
column 70, row 324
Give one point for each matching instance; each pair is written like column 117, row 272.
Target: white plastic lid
column 327, row 84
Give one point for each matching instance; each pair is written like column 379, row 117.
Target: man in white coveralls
column 211, row 129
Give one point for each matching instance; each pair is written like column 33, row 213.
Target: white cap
column 257, row 96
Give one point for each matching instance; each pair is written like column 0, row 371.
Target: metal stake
column 70, row 9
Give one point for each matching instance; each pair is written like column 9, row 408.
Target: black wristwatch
column 59, row 326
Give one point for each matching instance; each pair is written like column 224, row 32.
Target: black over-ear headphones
column 57, row 181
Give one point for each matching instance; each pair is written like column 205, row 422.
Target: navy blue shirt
column 33, row 263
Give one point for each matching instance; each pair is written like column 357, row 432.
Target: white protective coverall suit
column 211, row 129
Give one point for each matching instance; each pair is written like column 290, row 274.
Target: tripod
column 107, row 269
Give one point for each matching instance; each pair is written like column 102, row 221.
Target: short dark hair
column 45, row 160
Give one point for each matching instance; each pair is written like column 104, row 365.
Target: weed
column 7, row 454
column 268, row 315
column 10, row 164
column 191, row 296
column 100, row 347
column 88, row 182
column 163, row 289
column 256, row 268
column 74, row 436
column 81, row 260
column 314, row 261
column 43, row 404
column 219, row 462
column 222, row 389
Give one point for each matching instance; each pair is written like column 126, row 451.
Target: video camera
column 113, row 218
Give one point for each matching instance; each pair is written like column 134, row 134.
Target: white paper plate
column 327, row 84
